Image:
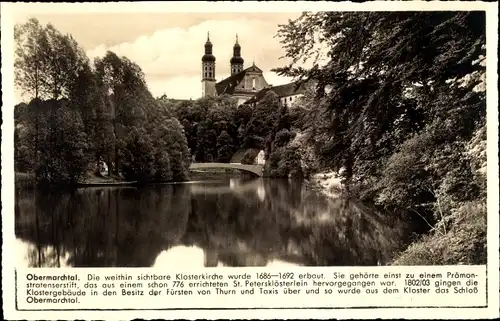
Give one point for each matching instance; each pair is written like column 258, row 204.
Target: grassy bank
column 28, row 180
column 459, row 238
column 93, row 179
column 463, row 241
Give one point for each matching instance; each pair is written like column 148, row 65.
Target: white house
column 260, row 159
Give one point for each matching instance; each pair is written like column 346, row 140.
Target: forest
column 80, row 114
column 399, row 111
column 216, row 128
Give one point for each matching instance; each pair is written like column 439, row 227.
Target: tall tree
column 373, row 60
column 66, row 59
column 63, row 145
column 225, row 147
column 47, row 62
column 31, row 49
column 262, row 122
column 125, row 90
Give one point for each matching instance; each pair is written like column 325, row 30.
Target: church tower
column 236, row 61
column 208, row 70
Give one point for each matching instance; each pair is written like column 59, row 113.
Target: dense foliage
column 210, row 124
column 216, row 128
column 81, row 114
column 399, row 97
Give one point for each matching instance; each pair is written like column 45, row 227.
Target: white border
column 8, row 10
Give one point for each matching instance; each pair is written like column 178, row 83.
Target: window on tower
column 205, row 75
column 210, row 74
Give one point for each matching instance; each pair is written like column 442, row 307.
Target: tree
column 31, row 46
column 66, row 59
column 402, row 84
column 164, row 170
column 127, row 98
column 47, row 62
column 373, row 60
column 262, row 121
column 174, row 142
column 107, row 113
column 63, row 146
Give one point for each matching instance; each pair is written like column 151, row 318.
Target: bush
column 137, row 159
column 282, row 138
column 249, row 157
column 284, row 162
column 406, row 179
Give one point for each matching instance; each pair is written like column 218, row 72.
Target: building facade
column 288, row 94
column 246, row 85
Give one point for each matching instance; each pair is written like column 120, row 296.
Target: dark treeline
column 216, row 127
column 399, row 110
column 80, row 114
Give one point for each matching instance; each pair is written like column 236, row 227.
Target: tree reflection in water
column 258, row 223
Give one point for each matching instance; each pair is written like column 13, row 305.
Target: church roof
column 294, row 88
column 228, row 85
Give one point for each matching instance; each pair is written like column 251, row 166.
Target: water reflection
column 230, row 223
column 32, row 255
column 180, row 256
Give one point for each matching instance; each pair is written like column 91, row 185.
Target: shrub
column 249, row 157
column 284, row 162
column 463, row 243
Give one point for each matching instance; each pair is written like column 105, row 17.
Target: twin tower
column 208, row 66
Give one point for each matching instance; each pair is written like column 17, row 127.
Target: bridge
column 256, row 169
column 253, row 185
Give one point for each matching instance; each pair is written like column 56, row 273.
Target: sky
column 168, row 46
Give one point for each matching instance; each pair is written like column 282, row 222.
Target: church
column 247, row 85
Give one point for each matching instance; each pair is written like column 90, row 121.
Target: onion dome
column 236, row 59
column 208, row 56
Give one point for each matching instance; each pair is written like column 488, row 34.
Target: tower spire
column 208, row 69
column 236, row 61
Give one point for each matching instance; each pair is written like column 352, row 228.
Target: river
column 226, row 222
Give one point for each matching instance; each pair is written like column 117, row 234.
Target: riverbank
column 28, row 180
column 459, row 238
column 327, row 183
column 95, row 180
